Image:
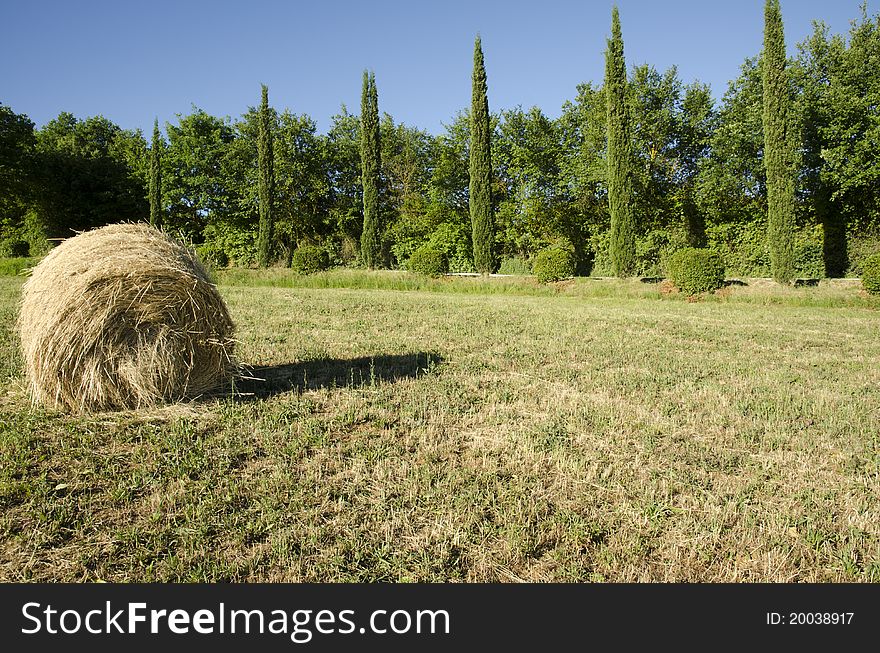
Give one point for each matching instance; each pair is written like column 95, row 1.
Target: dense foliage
column 308, row 259
column 428, row 260
column 515, row 265
column 871, row 274
column 213, row 255
column 13, row 248
column 553, row 263
column 695, row 270
column 698, row 176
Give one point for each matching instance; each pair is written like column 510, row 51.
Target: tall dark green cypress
column 266, row 181
column 480, row 197
column 778, row 147
column 371, row 164
column 621, row 161
column 155, row 179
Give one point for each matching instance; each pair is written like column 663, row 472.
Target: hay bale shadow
column 268, row 381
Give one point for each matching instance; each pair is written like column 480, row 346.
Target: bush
column 14, row 248
column 871, row 274
column 453, row 241
column 212, row 254
column 694, row 270
column 860, row 249
column 553, row 263
column 237, row 244
column 428, row 261
column 809, row 259
column 35, row 234
column 515, row 265
column 742, row 247
column 308, row 259
column 809, row 255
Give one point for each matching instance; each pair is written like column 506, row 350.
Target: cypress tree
column 266, row 181
column 778, row 150
column 480, row 197
column 621, row 161
column 371, row 162
column 155, row 179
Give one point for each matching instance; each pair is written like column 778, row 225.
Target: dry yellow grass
column 436, row 436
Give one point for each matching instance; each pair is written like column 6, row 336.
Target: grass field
column 467, row 430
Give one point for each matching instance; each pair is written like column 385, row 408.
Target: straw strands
column 122, row 317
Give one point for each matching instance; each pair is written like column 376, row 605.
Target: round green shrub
column 694, row 270
column 308, row 259
column 428, row 261
column 213, row 255
column 871, row 274
column 553, row 263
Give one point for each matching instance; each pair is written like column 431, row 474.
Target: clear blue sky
column 133, row 61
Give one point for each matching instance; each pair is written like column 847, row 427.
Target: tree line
column 780, row 177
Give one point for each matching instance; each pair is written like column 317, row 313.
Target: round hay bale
column 122, row 317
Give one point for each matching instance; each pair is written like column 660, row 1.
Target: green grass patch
column 829, row 293
column 596, row 431
column 10, row 267
column 380, row 280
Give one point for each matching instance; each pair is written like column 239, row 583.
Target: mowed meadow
column 486, row 430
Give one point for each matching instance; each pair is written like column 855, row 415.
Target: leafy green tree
column 654, row 112
column 447, row 223
column 536, row 206
column 16, row 168
column 778, row 147
column 480, row 195
column 584, row 171
column 234, row 227
column 303, row 200
column 841, row 87
column 86, row 175
column 820, row 61
column 343, row 160
column 407, row 155
column 302, row 183
column 655, row 125
column 266, row 181
column 731, row 188
column 155, row 178
column 371, row 163
column 448, row 187
column 621, row 163
column 671, row 126
column 698, row 121
column 852, row 136
column 195, row 179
